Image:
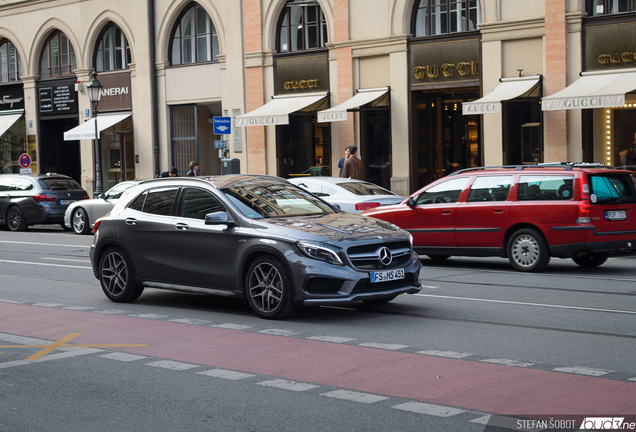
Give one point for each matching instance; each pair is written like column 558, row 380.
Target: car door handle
column 498, row 210
column 445, row 212
column 181, row 226
column 131, row 221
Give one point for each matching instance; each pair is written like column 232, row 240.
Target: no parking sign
column 25, row 163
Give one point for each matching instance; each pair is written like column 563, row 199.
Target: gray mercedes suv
column 254, row 237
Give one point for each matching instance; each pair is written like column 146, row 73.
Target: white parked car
column 80, row 216
column 351, row 195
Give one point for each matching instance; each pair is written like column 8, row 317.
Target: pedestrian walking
column 342, row 161
column 194, row 169
column 353, row 165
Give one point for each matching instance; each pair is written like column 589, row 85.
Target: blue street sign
column 222, row 125
column 220, row 144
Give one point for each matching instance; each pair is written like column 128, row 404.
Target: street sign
column 222, row 125
column 25, row 160
column 220, row 144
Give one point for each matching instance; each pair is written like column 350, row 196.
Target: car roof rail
column 565, row 165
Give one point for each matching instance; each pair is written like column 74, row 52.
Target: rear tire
column 590, row 260
column 528, row 251
column 80, row 222
column 117, row 277
column 15, row 219
column 268, row 289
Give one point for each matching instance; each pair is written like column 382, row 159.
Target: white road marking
column 14, row 363
column 122, row 357
column 429, row 286
column 11, row 301
column 67, row 259
column 508, row 362
column 429, row 409
column 45, row 264
column 172, row 365
column 481, row 420
column 527, row 304
column 78, row 308
column 43, row 244
column 392, row 347
column 335, row 339
column 279, row 332
column 110, row 311
column 449, row 354
column 226, row 374
column 191, row 321
column 149, row 316
column 631, row 379
column 583, row 370
column 73, row 352
column 23, row 340
column 288, row 385
column 49, row 305
column 230, row 326
column 354, row 396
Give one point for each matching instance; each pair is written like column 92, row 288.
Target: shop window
column 606, row 7
column 436, row 17
column 302, row 26
column 113, row 51
column 58, row 57
column 194, row 39
column 522, row 132
column 10, row 64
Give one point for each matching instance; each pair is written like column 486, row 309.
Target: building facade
column 421, row 87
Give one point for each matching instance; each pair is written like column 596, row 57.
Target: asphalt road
column 479, row 339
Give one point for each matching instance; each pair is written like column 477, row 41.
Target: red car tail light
column 583, row 212
column 367, row 205
column 86, row 197
column 97, row 224
column 43, row 198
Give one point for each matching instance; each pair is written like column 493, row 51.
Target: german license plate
column 615, row 215
column 388, row 275
column 66, row 202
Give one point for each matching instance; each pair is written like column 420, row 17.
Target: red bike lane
column 458, row 383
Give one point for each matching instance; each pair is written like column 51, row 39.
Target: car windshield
column 364, row 188
column 60, row 184
column 612, row 188
column 275, row 200
column 117, row 190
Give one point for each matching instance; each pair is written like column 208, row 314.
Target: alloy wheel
column 14, row 219
column 79, row 221
column 114, row 274
column 265, row 287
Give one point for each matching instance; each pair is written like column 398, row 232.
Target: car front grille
column 367, row 257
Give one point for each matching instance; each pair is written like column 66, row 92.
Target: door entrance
column 56, row 155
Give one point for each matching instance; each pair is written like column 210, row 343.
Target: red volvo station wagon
column 525, row 213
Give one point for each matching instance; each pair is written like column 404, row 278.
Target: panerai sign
column 116, row 95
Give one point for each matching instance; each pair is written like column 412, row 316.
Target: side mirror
column 337, row 206
column 102, row 196
column 218, row 218
column 411, row 202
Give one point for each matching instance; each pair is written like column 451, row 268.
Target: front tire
column 79, row 221
column 528, row 251
column 117, row 277
column 590, row 260
column 268, row 289
column 15, row 219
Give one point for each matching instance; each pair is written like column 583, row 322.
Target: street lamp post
column 94, row 90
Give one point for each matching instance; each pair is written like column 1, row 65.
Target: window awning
column 87, row 129
column 339, row 113
column 7, row 119
column 510, row 88
column 276, row 112
column 593, row 90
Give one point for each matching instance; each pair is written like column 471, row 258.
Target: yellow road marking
column 61, row 343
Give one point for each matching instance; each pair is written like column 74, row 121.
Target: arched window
column 302, row 26
column 194, row 39
column 113, row 51
column 10, row 64
column 435, row 17
column 58, row 57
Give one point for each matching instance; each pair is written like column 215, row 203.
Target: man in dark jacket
column 353, row 165
column 172, row 172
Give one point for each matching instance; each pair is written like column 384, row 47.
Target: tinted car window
column 5, row 183
column 198, row 203
column 445, row 192
column 612, row 188
column 363, row 188
column 138, row 203
column 545, row 188
column 160, row 201
column 59, row 184
column 493, row 188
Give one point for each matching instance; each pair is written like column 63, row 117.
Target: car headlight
column 320, row 251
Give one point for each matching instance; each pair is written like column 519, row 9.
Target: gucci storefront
column 443, row 75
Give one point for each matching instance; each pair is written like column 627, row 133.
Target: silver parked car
column 260, row 238
column 81, row 215
column 351, row 195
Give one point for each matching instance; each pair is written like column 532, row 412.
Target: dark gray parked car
column 36, row 199
column 254, row 237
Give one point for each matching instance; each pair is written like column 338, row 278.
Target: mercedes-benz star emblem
column 384, row 255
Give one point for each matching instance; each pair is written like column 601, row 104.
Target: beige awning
column 87, row 129
column 339, row 112
column 276, row 112
column 510, row 88
column 593, row 90
column 7, row 118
